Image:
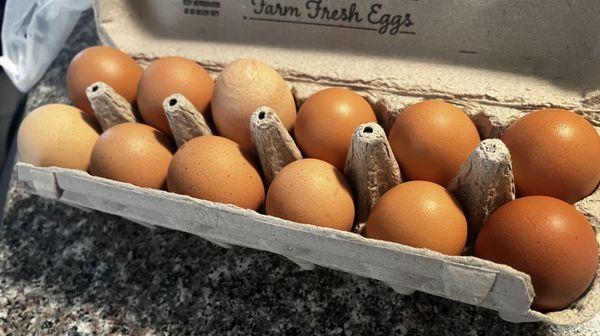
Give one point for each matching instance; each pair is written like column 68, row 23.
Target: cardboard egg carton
column 492, row 59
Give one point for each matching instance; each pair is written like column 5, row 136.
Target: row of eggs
column 555, row 153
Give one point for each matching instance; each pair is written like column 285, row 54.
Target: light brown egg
column 102, row 64
column 549, row 240
column 168, row 76
column 133, row 153
column 326, row 122
column 314, row 192
column 431, row 140
column 242, row 87
column 214, row 168
column 57, row 135
column 419, row 214
column 554, row 153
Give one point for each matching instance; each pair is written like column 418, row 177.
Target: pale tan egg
column 242, row 87
column 57, row 135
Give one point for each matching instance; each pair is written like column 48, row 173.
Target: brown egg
column 326, row 122
column 133, row 153
column 419, row 214
column 431, row 140
column 314, row 192
column 214, row 168
column 102, row 64
column 243, row 86
column 554, row 153
column 168, row 76
column 547, row 239
column 57, row 135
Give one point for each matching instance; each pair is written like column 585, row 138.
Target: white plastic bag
column 33, row 33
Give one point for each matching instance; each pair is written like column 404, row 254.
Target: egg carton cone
column 394, row 53
column 185, row 121
column 274, row 145
column 109, row 107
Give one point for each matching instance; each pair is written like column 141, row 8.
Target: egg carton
column 405, row 269
column 496, row 74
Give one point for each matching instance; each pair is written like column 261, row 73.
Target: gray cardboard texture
column 465, row 279
column 489, row 166
column 371, row 169
column 520, row 55
column 496, row 59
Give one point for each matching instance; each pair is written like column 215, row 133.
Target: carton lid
column 517, row 54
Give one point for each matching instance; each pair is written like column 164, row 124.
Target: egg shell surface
column 57, row 135
column 549, row 240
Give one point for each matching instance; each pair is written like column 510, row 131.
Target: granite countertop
column 68, row 271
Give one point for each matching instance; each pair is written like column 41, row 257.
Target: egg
column 547, row 239
column 242, row 87
column 216, row 169
column 57, row 135
column 102, row 64
column 133, row 153
column 167, row 76
column 313, row 192
column 431, row 140
column 420, row 214
column 554, row 153
column 326, row 122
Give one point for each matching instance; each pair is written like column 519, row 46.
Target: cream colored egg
column 242, row 87
column 57, row 135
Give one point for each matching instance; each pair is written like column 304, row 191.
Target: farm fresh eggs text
column 318, row 11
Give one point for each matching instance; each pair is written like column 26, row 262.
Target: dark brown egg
column 554, row 153
column 549, row 240
column 102, row 64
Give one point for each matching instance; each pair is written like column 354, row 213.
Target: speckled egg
column 216, row 169
column 133, row 153
column 242, row 87
column 57, row 135
column 313, row 192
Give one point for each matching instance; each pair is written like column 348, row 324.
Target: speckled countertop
column 67, row 271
